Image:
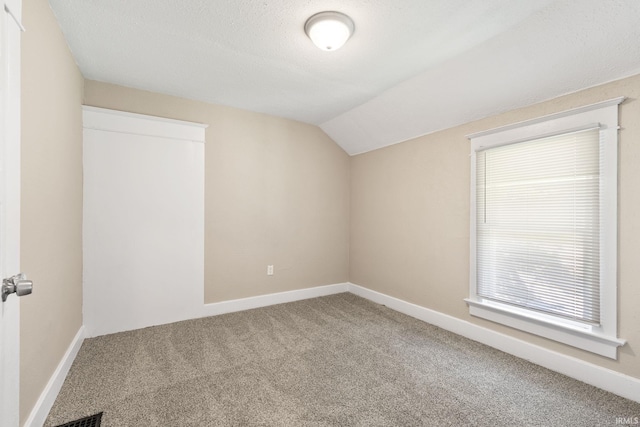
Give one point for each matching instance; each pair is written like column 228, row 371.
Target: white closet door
column 143, row 222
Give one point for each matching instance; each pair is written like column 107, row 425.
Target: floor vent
column 91, row 421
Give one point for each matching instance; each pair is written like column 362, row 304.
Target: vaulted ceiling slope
column 412, row 67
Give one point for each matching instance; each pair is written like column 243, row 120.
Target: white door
column 9, row 208
column 143, row 221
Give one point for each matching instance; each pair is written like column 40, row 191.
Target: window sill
column 575, row 337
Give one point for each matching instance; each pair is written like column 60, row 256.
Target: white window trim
column 600, row 339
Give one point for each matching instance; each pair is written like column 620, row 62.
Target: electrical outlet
column 269, row 270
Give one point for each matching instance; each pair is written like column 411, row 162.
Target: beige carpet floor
column 332, row 361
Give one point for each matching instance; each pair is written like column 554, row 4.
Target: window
column 543, row 227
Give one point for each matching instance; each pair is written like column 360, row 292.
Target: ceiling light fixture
column 329, row 30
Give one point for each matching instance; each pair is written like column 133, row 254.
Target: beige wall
column 51, row 217
column 276, row 192
column 410, row 219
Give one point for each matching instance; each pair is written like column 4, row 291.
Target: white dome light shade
column 329, row 30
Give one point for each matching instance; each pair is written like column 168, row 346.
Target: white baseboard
column 231, row 306
column 606, row 379
column 48, row 396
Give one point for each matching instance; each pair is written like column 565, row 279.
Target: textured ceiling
column 412, row 66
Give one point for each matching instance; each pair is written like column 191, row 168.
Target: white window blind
column 538, row 225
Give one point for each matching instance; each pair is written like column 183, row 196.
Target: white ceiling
column 412, row 66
